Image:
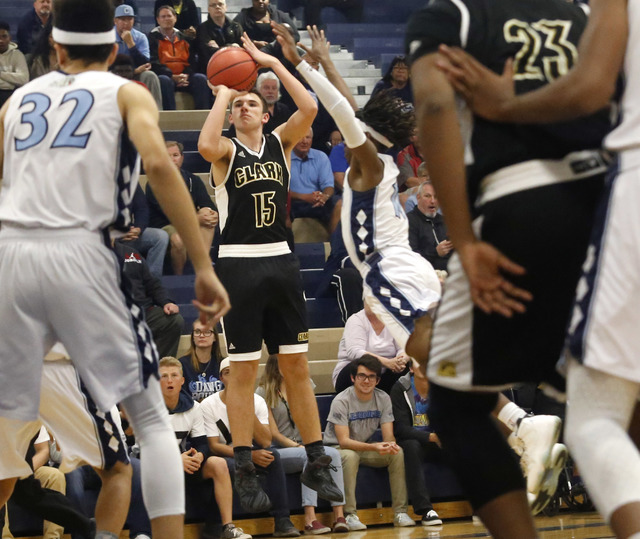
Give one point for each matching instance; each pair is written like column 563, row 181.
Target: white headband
column 83, row 38
column 378, row 136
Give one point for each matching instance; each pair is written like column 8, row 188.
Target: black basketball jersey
column 542, row 36
column 252, row 201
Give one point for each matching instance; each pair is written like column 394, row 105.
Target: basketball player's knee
column 580, row 434
column 294, row 367
column 118, row 472
column 215, row 467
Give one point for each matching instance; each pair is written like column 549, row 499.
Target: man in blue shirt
column 135, row 44
column 312, row 186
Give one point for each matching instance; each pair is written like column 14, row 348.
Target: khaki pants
column 49, row 478
column 351, row 461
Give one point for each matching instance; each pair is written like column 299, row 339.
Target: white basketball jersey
column 68, row 161
column 627, row 134
column 374, row 219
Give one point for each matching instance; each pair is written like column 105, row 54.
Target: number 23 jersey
column 252, row 201
column 68, row 161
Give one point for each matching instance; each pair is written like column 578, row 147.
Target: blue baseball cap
column 124, row 11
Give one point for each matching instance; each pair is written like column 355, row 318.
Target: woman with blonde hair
column 201, row 365
column 288, row 441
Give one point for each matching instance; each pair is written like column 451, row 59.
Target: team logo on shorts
column 447, row 369
column 304, row 336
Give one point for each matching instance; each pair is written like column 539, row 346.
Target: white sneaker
column 354, row 524
column 559, row 455
column 431, row 519
column 403, row 520
column 533, row 440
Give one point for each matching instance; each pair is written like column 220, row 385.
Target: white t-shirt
column 214, row 410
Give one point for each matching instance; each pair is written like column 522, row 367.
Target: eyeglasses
column 370, row 377
column 206, row 332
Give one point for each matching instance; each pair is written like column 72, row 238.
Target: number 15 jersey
column 68, row 162
column 252, row 201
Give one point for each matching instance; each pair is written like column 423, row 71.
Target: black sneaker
column 252, row 498
column 316, row 476
column 285, row 528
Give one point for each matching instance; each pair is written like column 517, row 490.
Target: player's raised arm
column 297, row 126
column 141, row 117
column 211, row 144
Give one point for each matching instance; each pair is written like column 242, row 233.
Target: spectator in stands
column 43, row 57
column 207, row 211
column 188, row 424
column 287, row 439
column 201, row 364
column 151, row 242
column 409, row 160
column 339, row 165
column 31, row 24
column 409, row 198
column 410, row 403
column 396, row 80
column 216, row 32
column 187, row 15
column 355, row 415
column 312, row 191
column 162, row 315
column 352, row 9
column 427, row 231
column 256, row 22
column 216, row 424
column 13, row 65
column 268, row 84
column 135, row 44
column 173, row 59
column 364, row 333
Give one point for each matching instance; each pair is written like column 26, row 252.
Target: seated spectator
column 161, row 314
column 135, row 44
column 267, row 461
column 187, row 18
column 207, row 211
column 275, row 49
column 287, row 439
column 43, row 57
column 396, row 80
column 13, row 65
column 151, row 242
column 201, row 365
column 409, row 160
column 216, row 32
column 355, row 415
column 427, row 231
column 410, row 403
column 31, row 24
column 188, row 424
column 268, row 84
column 352, row 9
column 173, row 59
column 311, row 185
column 339, row 165
column 364, row 333
column 256, row 22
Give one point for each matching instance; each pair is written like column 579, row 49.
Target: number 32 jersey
column 68, row 162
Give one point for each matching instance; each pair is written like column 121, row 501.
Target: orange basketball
column 234, row 68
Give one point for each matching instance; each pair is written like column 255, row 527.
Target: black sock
column 242, row 455
column 314, row 450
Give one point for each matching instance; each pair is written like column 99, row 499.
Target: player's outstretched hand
column 260, row 57
column 319, row 45
column 487, row 93
column 490, row 291
column 212, row 299
column 288, row 44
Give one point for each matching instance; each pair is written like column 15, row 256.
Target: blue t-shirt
column 337, row 158
column 421, row 417
column 311, row 174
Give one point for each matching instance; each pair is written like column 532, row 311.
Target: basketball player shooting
column 251, row 178
column 400, row 286
column 71, row 144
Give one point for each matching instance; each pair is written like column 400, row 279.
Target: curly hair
column 389, row 116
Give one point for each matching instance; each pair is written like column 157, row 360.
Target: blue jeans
column 198, row 88
column 294, row 459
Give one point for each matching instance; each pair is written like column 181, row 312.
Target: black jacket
column 230, row 33
column 404, row 408
column 258, row 31
column 424, row 235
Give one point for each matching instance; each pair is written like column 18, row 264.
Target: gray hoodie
column 13, row 68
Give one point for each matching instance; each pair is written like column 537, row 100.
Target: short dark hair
column 265, row 105
column 85, row 16
column 399, row 59
column 369, row 362
column 389, row 116
column 5, row 26
column 166, row 6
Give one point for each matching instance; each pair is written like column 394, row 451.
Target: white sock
column 105, row 535
column 510, row 414
column 635, row 536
